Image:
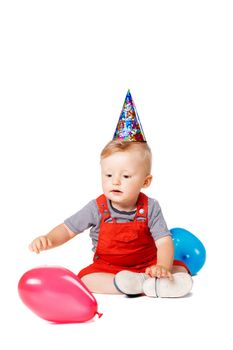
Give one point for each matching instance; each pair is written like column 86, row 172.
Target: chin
column 115, row 197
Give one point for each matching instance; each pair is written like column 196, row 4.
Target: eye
column 108, row 175
column 126, row 176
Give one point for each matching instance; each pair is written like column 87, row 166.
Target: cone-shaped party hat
column 129, row 127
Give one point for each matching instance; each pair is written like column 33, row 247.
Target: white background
column 65, row 69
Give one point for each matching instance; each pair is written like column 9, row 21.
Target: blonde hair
column 121, row 146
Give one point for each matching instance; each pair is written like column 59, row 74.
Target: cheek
column 131, row 184
column 105, row 182
column 136, row 184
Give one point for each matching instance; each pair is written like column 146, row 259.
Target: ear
column 147, row 181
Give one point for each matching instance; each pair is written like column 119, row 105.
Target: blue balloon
column 189, row 249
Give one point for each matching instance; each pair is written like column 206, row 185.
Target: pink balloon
column 57, row 295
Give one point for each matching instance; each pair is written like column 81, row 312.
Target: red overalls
column 124, row 246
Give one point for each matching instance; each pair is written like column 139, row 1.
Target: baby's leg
column 100, row 282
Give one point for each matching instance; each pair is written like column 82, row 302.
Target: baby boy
column 133, row 248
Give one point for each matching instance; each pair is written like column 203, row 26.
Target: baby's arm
column 165, row 256
column 59, row 235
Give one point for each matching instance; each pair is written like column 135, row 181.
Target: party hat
column 129, row 127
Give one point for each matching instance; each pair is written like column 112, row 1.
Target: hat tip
column 129, row 94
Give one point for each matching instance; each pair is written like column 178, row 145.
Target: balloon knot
column 99, row 314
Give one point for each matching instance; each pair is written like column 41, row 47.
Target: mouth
column 116, row 191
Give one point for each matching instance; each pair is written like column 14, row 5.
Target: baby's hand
column 158, row 271
column 40, row 243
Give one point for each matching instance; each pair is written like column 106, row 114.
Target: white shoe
column 130, row 283
column 164, row 288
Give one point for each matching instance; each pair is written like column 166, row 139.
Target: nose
column 116, row 180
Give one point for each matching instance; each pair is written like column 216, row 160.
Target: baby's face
column 123, row 176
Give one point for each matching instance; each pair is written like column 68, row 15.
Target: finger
column 49, row 242
column 147, row 271
column 34, row 248
column 170, row 276
column 43, row 241
column 153, row 273
column 163, row 272
column 38, row 246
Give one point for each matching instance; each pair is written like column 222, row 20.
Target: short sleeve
column 156, row 222
column 83, row 219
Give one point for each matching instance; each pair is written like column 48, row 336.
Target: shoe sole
column 180, row 286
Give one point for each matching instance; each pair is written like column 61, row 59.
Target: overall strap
column 103, row 207
column 142, row 206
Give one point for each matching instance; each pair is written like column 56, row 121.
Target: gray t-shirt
column 90, row 217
